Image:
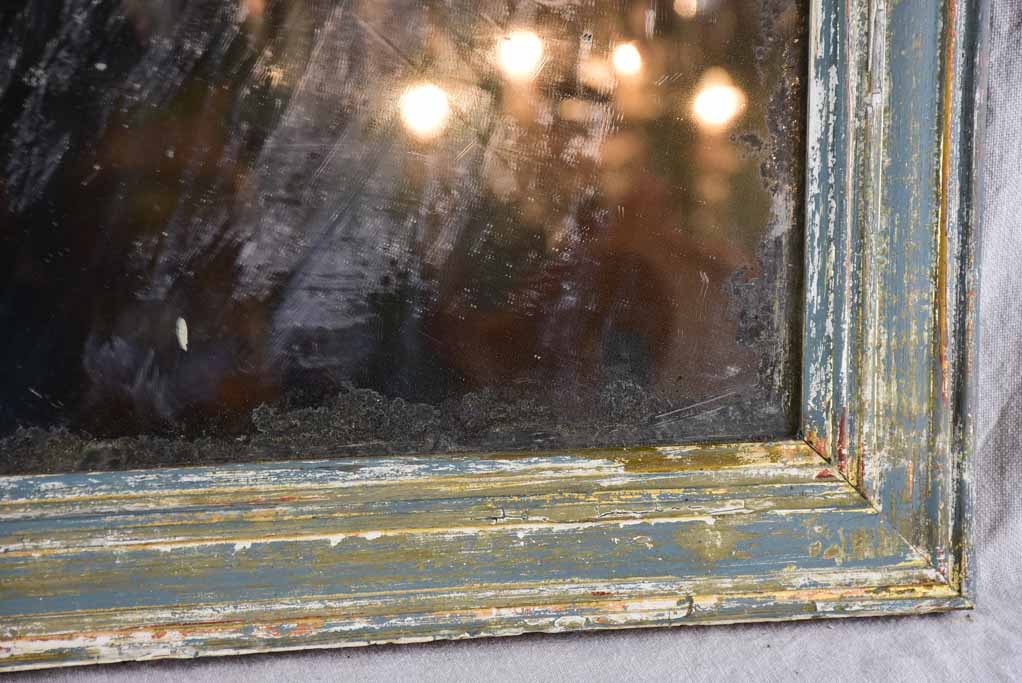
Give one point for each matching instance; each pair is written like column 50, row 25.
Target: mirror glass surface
column 240, row 230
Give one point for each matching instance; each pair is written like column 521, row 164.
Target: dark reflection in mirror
column 249, row 229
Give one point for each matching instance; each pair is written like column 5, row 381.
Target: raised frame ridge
column 890, row 325
column 113, row 566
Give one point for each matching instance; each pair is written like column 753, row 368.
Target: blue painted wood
column 828, row 137
column 186, row 562
column 888, row 356
column 381, row 550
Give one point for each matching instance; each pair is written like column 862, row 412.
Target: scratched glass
column 252, row 230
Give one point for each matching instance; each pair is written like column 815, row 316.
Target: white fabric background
column 984, row 645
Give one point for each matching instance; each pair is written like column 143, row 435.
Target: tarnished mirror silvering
column 251, row 229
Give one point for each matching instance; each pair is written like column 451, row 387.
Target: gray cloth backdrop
column 984, row 645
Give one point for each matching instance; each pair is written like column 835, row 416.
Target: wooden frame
column 869, row 514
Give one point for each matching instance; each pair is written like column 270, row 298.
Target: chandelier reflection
column 627, row 60
column 425, row 110
column 520, row 55
column 718, row 102
column 686, row 8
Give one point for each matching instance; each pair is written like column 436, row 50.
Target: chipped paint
column 890, row 332
column 317, row 554
column 685, row 532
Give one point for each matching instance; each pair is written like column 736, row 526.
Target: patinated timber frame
column 868, row 514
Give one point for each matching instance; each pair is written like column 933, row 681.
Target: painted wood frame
column 868, row 514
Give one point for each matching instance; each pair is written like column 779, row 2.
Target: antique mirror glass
column 250, row 230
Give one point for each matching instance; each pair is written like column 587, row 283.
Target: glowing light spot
column 717, row 105
column 425, row 110
column 686, row 8
column 520, row 55
column 717, row 102
column 627, row 60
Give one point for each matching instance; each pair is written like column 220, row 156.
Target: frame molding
column 870, row 514
column 250, row 558
column 888, row 394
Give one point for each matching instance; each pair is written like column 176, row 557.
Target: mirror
column 258, row 230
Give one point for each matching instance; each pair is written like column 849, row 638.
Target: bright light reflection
column 627, row 60
column 425, row 110
column 519, row 55
column 686, row 8
column 717, row 102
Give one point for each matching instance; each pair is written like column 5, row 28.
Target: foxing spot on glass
column 419, row 229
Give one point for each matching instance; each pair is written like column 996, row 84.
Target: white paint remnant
column 181, row 330
column 570, row 621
